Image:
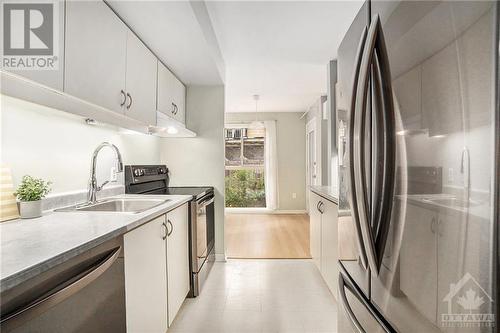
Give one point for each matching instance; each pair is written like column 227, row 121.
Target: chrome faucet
column 93, row 187
column 465, row 170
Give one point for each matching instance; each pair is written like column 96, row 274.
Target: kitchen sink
column 451, row 202
column 118, row 205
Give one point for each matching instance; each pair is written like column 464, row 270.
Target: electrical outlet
column 113, row 177
column 450, row 175
column 294, row 195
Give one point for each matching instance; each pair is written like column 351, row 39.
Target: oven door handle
column 59, row 294
column 206, row 202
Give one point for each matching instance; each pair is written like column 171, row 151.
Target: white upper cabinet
column 441, row 100
column 171, row 94
column 52, row 78
column 408, row 89
column 96, row 51
column 140, row 81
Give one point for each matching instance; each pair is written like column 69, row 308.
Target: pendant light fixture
column 256, row 124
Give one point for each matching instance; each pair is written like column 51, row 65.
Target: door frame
column 312, row 126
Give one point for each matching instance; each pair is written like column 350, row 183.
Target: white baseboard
column 263, row 211
column 296, row 211
column 220, row 257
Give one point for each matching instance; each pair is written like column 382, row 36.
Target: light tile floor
column 260, row 296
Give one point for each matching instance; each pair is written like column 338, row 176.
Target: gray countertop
column 479, row 209
column 30, row 247
column 327, row 192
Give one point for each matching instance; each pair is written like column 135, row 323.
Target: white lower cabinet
column 146, row 278
column 323, row 217
column 156, row 271
column 315, row 229
column 177, row 260
column 329, row 245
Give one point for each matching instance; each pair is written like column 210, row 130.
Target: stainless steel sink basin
column 119, row 205
column 451, row 202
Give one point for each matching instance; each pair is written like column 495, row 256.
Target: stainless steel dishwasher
column 84, row 294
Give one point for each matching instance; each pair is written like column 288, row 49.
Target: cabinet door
column 54, row 77
column 171, row 94
column 146, row 277
column 177, row 260
column 408, row 89
column 418, row 260
column 141, row 81
column 329, row 245
column 165, row 91
column 95, row 59
column 452, row 226
column 180, row 100
column 315, row 228
column 441, row 100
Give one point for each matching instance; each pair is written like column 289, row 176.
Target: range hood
column 167, row 127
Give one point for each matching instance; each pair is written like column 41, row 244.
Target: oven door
column 204, row 210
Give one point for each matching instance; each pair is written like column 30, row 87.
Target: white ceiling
column 174, row 33
column 278, row 49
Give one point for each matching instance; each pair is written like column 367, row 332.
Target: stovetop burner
column 154, row 179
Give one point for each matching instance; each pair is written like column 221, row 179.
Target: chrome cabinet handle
column 42, row 304
column 320, row 207
column 351, row 178
column 122, row 103
column 171, row 228
column 433, row 225
column 174, row 108
column 130, row 101
column 165, row 233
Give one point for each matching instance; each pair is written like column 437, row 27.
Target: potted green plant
column 30, row 193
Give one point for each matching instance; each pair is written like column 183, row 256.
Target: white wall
column 58, row 146
column 291, row 147
column 200, row 161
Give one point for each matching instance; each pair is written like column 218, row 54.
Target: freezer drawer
column 355, row 313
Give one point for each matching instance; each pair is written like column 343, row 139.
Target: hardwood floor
column 267, row 236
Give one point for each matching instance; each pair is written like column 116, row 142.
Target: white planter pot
column 30, row 209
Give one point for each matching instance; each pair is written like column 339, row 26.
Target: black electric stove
column 154, row 179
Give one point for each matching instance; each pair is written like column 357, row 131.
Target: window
column 245, row 165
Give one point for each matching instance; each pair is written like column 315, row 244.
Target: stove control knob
column 138, row 172
column 161, row 171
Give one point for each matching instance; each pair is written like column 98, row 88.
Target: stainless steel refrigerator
column 418, row 122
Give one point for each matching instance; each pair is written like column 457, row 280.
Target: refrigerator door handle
column 359, row 148
column 352, row 174
column 375, row 53
column 386, row 147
